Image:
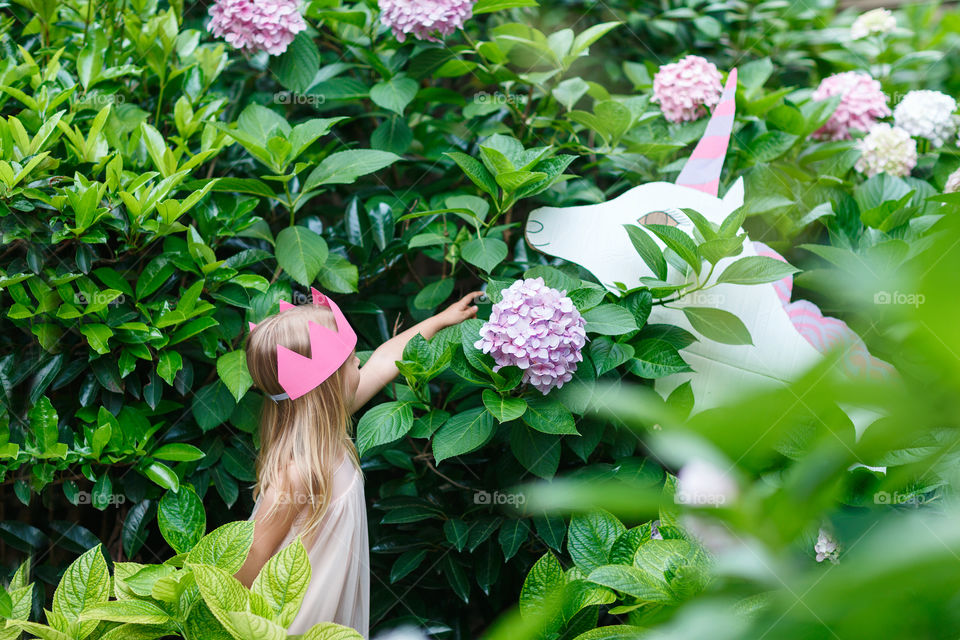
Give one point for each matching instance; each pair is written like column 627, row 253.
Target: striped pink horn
column 702, row 171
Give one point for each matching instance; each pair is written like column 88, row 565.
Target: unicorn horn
column 702, row 171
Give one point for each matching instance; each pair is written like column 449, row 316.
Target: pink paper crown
column 299, row 374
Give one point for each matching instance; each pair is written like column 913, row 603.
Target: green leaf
column 462, row 433
column 97, row 336
column 232, row 369
column 168, row 364
column 756, row 270
column 225, row 547
column 394, row 94
column 433, row 294
column 181, row 519
column 648, row 250
column 86, row 582
column 128, row 611
column 283, row 581
column 330, row 631
column 610, row 320
column 549, row 416
column 408, row 562
column 485, row 253
column 489, row 6
column 538, row 452
column 634, row 582
column 503, row 408
column 678, row 242
column 607, row 355
column 301, row 253
column 590, row 538
column 718, row 324
column 544, row 582
column 43, row 424
column 339, row 275
column 344, row 167
column 212, row 405
column 296, row 67
column 163, row 475
column 512, row 534
column 475, row 170
column 383, row 424
column 178, row 452
column 655, row 358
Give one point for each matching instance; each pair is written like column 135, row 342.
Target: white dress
column 339, row 589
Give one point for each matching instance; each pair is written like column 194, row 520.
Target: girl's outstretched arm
column 381, row 367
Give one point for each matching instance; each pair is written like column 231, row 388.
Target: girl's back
column 339, row 589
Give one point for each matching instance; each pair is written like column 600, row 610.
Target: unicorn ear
column 284, row 305
column 252, row 326
column 702, row 171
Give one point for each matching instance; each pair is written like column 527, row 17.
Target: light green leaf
column 301, row 253
column 86, row 582
column 718, row 324
column 283, row 581
column 756, row 270
column 232, row 369
column 344, row 167
column 182, row 519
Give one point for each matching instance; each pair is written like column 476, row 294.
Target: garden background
column 159, row 189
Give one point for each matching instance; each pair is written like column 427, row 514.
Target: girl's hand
column 458, row 311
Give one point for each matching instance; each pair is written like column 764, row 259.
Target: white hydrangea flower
column 953, row 183
column 826, row 547
column 875, row 22
column 928, row 114
column 702, row 484
column 888, row 150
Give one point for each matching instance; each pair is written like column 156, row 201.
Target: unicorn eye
column 659, row 217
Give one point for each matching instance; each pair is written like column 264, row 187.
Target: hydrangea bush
column 168, row 173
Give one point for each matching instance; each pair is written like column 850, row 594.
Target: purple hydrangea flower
column 538, row 329
column 257, row 25
column 683, row 88
column 424, row 18
column 862, row 103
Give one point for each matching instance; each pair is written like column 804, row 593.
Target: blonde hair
column 302, row 440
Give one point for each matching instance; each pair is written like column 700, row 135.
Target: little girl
column 308, row 472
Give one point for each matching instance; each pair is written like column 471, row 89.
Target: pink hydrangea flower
column 684, row 88
column 538, row 329
column 424, row 18
column 257, row 25
column 863, row 102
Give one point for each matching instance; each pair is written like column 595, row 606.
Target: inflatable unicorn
column 788, row 337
